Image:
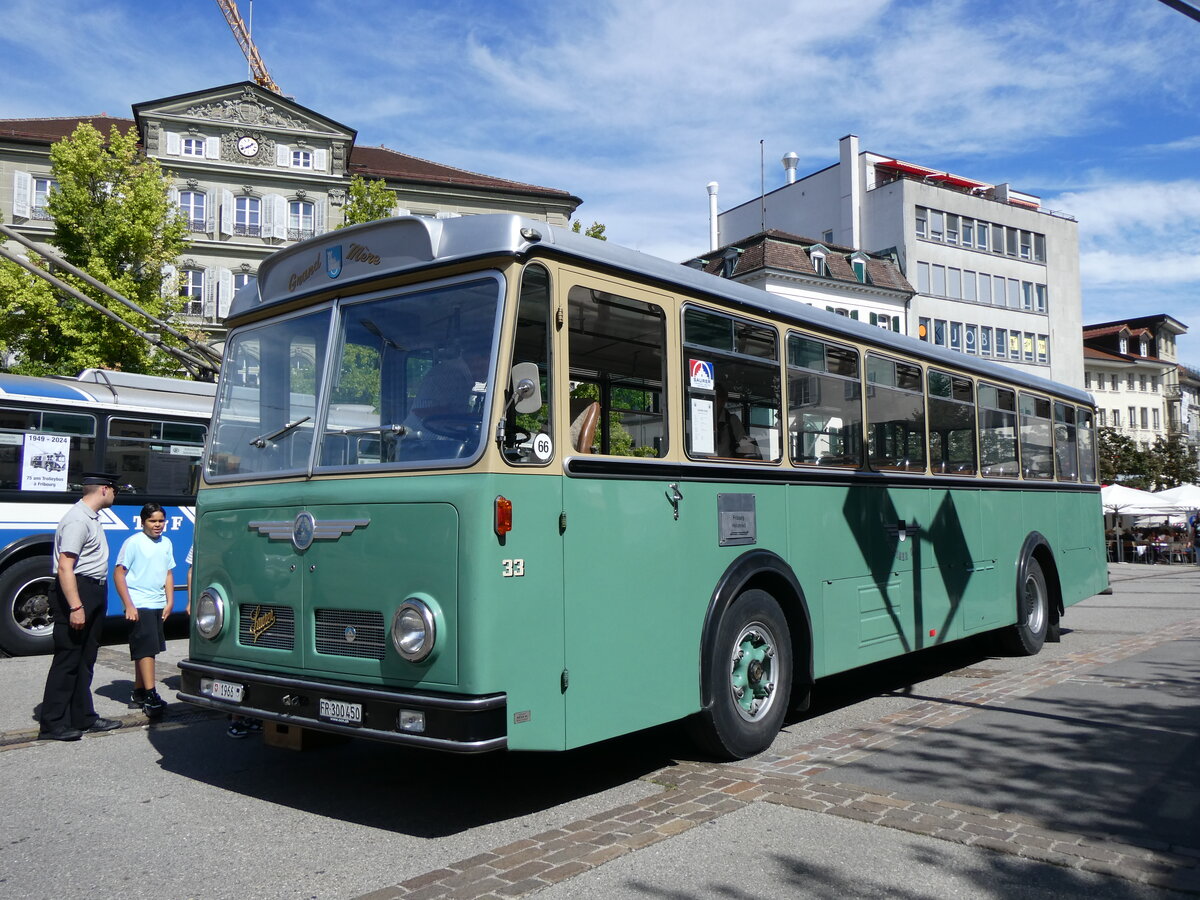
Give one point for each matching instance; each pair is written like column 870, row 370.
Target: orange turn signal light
column 503, row 516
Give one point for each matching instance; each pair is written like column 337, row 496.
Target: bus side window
column 1037, row 451
column 616, row 347
column 531, row 344
column 824, row 403
column 951, row 424
column 1087, row 445
column 1066, row 446
column 895, row 415
column 998, row 432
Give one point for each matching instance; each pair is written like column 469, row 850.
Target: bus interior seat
column 586, row 416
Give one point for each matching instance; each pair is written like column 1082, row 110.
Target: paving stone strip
column 697, row 792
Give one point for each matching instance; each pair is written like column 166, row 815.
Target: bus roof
column 121, row 389
column 373, row 250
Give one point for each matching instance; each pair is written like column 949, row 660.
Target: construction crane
column 258, row 69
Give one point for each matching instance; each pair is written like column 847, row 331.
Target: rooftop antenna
column 762, row 189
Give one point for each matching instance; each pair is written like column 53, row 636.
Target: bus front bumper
column 459, row 724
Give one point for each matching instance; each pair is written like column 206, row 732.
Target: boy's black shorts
column 146, row 636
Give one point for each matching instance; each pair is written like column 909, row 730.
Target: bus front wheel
column 750, row 674
column 26, row 617
column 1033, row 613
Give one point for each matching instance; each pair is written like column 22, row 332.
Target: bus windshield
column 408, row 384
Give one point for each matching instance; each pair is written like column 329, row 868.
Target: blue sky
column 634, row 105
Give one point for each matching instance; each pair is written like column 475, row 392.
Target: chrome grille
column 279, row 634
column 350, row 632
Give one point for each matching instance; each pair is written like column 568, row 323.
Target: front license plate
column 225, row 690
column 340, row 711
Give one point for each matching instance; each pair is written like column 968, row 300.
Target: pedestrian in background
column 79, row 598
column 146, row 583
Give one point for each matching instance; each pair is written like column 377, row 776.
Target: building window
column 1039, row 248
column 981, row 236
column 985, row 288
column 247, row 220
column 1014, row 294
column 985, row 341
column 1154, row 383
column 968, row 282
column 1040, row 305
column 922, row 222
column 1129, row 382
column 1113, row 382
column 923, row 326
column 923, row 277
column 970, row 339
column 939, row 332
column 1027, row 295
column 1043, row 348
column 1155, row 415
column 1087, row 381
column 1100, row 418
column 951, row 228
column 936, row 225
column 191, row 290
column 191, row 146
column 827, row 236
column 1145, row 418
column 1123, row 344
column 1014, row 345
column 956, row 335
column 1001, row 343
column 968, row 233
column 300, row 220
column 1116, row 418
column 193, row 205
column 1026, row 248
column 1145, row 347
column 1133, row 417
column 954, row 283
column 42, row 188
column 939, row 281
column 302, row 159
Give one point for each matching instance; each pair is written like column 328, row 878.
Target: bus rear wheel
column 1033, row 613
column 750, row 675
column 26, row 616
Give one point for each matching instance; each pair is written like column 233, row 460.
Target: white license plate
column 340, row 711
column 225, row 690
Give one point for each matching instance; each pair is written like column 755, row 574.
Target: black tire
column 750, row 679
column 26, row 616
column 1033, row 613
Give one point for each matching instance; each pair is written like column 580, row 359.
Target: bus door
column 624, row 549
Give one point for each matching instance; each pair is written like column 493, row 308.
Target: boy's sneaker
column 238, row 729
column 254, row 725
column 137, row 699
column 153, row 705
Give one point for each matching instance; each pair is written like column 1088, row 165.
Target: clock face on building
column 247, row 146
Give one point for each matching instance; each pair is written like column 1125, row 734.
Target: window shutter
column 224, row 291
column 210, row 294
column 319, row 217
column 283, row 156
column 212, row 148
column 321, row 160
column 174, row 144
column 279, row 216
column 227, row 212
column 173, row 197
column 896, row 324
column 854, row 314
column 874, row 319
column 22, row 192
column 169, row 288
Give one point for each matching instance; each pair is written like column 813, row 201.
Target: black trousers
column 67, row 701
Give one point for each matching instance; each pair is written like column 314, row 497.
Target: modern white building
column 996, row 274
column 253, row 171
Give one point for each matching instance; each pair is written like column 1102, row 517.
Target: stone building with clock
column 253, row 171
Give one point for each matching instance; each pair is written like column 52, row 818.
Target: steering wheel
column 456, row 426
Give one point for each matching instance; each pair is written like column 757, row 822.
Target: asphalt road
column 954, row 773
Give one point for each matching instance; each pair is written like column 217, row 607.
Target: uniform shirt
column 79, row 533
column 148, row 561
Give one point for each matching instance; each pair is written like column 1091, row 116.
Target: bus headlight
column 414, row 630
column 210, row 614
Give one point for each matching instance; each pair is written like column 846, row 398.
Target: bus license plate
column 340, row 711
column 226, row 690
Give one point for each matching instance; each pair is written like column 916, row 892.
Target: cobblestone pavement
column 806, row 778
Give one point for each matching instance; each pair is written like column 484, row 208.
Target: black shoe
column 105, row 725
column 153, row 706
column 137, row 698
column 61, row 734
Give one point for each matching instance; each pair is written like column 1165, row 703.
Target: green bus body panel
column 613, row 607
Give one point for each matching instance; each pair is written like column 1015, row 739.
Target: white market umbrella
column 1127, row 501
column 1186, row 496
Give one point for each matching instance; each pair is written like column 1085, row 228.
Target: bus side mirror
column 527, row 390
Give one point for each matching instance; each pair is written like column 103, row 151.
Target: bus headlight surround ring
column 209, row 617
column 414, row 630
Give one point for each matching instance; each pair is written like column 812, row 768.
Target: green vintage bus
column 482, row 483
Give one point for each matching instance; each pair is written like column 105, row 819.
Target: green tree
column 595, row 230
column 1171, row 462
column 1120, row 459
column 368, row 201
column 114, row 219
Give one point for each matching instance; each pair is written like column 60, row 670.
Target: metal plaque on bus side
column 736, row 520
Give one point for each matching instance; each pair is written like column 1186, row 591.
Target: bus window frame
column 793, row 458
column 870, row 386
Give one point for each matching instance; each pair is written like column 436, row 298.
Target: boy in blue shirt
column 144, row 580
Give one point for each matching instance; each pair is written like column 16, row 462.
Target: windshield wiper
column 263, row 439
column 400, row 430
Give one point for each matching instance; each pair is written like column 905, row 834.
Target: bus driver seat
column 583, row 427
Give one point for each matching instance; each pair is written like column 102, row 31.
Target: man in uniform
column 80, row 599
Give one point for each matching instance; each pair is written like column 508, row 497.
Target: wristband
column 76, row 609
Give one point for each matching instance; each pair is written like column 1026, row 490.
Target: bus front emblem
column 350, row 633
column 303, row 529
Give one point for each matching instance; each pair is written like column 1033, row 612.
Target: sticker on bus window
column 702, row 375
column 703, row 434
column 543, row 447
column 45, row 461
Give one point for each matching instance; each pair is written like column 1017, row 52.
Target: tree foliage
column 368, row 201
column 113, row 218
column 1168, row 463
column 595, row 230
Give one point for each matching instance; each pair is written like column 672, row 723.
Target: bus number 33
column 513, row 568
